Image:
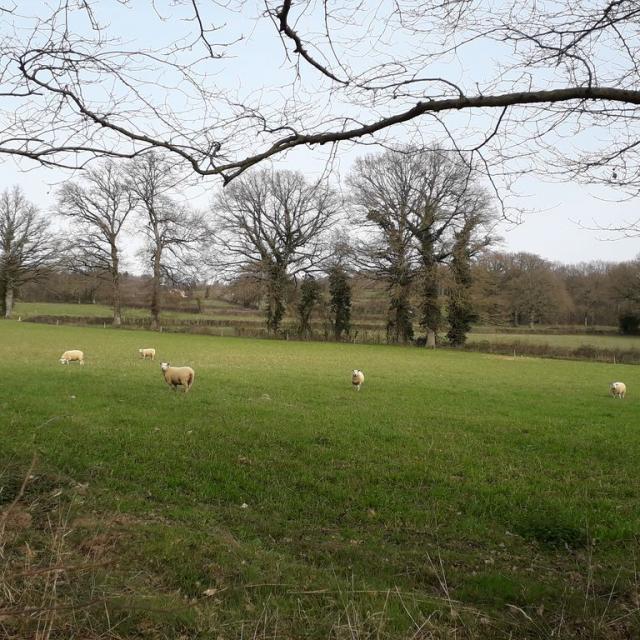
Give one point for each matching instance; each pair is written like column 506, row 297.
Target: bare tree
column 420, row 203
column 592, row 290
column 172, row 231
column 100, row 206
column 549, row 71
column 383, row 193
column 535, row 291
column 28, row 247
column 273, row 223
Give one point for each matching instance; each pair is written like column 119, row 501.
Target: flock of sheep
column 184, row 376
column 174, row 376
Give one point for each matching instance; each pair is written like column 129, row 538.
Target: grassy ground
column 457, row 495
column 215, row 309
column 31, row 309
column 575, row 340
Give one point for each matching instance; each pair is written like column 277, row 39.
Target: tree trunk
column 155, row 292
column 431, row 315
column 275, row 298
column 115, row 280
column 399, row 325
column 8, row 301
column 117, row 306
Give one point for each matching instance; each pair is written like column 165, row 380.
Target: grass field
column 570, row 341
column 457, row 495
column 27, row 310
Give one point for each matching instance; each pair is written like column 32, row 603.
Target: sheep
column 147, row 353
column 618, row 389
column 357, row 378
column 74, row 355
column 176, row 376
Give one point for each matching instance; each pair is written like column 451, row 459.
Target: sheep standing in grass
column 618, row 389
column 147, row 353
column 74, row 355
column 177, row 376
column 357, row 378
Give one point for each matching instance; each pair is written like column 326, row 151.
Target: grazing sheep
column 357, row 378
column 618, row 389
column 147, row 353
column 74, row 355
column 176, row 376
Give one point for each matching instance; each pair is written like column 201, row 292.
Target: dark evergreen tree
column 459, row 308
column 340, row 291
column 309, row 297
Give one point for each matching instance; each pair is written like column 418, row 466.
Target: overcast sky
column 555, row 214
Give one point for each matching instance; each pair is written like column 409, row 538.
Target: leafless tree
column 382, row 194
column 99, row 208
column 273, row 223
column 420, row 202
column 551, row 86
column 172, row 231
column 28, row 247
column 535, row 291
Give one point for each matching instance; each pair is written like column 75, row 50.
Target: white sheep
column 147, row 353
column 357, row 378
column 74, row 355
column 618, row 389
column 176, row 376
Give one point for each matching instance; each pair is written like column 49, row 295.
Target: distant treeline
column 508, row 290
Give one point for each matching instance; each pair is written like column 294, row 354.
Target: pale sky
column 550, row 225
column 553, row 213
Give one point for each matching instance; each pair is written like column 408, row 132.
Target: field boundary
column 362, row 334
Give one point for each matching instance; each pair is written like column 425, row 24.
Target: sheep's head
column 164, row 366
column 140, row 350
column 63, row 361
column 356, row 372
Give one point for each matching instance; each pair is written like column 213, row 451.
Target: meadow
column 457, row 495
column 560, row 340
column 214, row 309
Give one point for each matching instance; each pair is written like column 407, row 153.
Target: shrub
column 629, row 324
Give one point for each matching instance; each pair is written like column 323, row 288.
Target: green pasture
column 568, row 340
column 213, row 309
column 457, row 495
